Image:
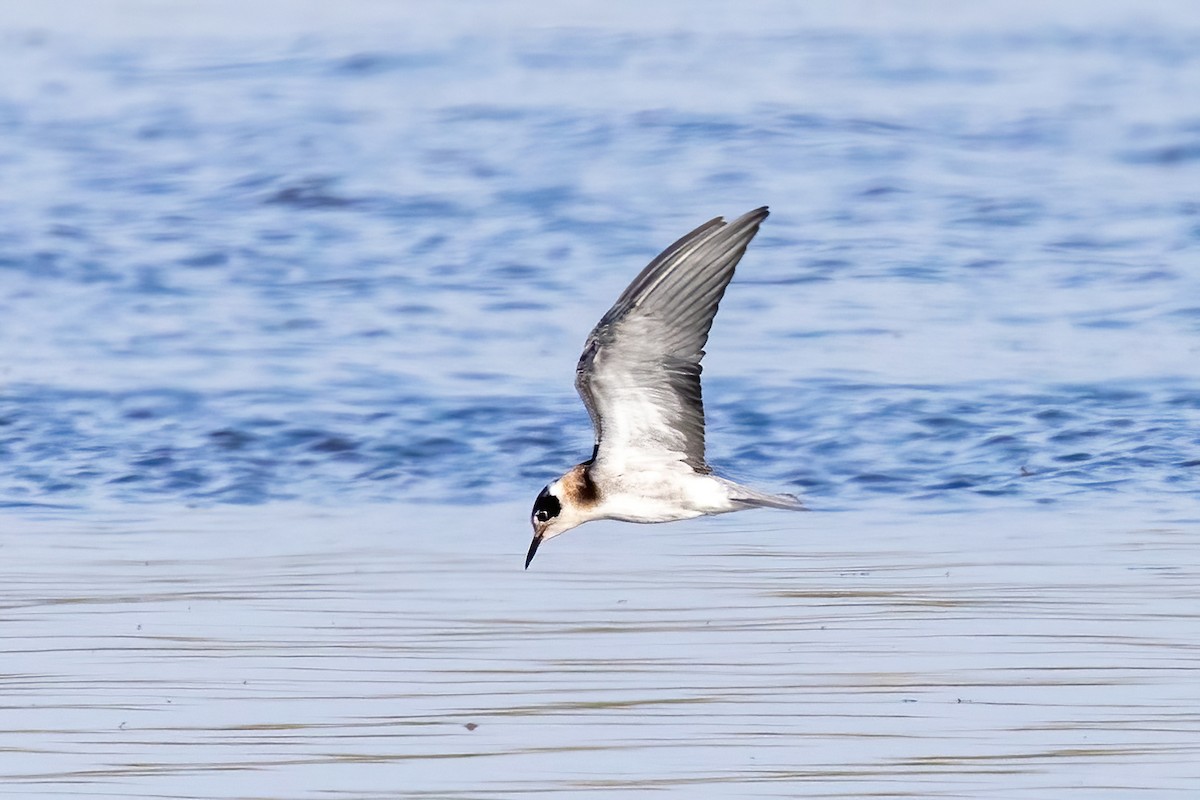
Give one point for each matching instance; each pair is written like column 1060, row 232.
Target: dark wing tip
column 754, row 217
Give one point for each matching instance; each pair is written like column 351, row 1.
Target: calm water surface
column 287, row 653
column 289, row 305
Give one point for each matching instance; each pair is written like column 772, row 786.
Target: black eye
column 546, row 507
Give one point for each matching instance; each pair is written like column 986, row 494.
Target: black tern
column 639, row 377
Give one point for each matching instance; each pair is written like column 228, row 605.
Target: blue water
column 291, row 295
column 344, row 260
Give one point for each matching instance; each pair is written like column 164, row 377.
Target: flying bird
column 639, row 377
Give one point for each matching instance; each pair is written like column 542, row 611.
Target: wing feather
column 639, row 374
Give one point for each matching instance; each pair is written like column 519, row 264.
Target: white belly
column 662, row 497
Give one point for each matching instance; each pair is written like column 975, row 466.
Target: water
column 289, row 304
column 284, row 653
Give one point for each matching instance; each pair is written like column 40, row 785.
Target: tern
column 639, row 377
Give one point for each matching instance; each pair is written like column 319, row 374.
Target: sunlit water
column 289, row 307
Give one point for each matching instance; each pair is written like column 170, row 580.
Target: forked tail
column 752, row 498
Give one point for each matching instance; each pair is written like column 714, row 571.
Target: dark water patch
column 483, row 113
column 371, row 64
column 1054, row 416
column 875, row 126
column 1153, row 275
column 206, row 260
column 961, row 482
column 162, row 457
column 1105, row 323
column 1169, row 155
column 1002, row 213
column 879, row 482
column 67, row 232
column 726, row 180
column 544, row 199
column 1000, row 440
column 485, row 378
column 38, row 505
column 881, row 191
column 523, row 306
column 918, row 271
column 984, row 264
column 1190, row 314
column 682, row 127
column 1075, row 435
column 947, row 425
column 185, row 480
column 1186, row 399
column 311, row 193
column 415, row 206
column 334, row 444
column 1087, row 242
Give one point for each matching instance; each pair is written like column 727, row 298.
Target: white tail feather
column 752, row 498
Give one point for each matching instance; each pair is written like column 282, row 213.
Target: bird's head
column 562, row 505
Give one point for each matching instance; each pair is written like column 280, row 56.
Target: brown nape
column 579, row 487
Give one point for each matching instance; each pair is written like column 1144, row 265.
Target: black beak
column 537, row 539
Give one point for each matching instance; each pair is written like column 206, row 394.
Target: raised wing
column 639, row 374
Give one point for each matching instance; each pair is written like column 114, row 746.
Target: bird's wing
column 639, row 374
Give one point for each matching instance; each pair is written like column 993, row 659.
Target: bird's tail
column 752, row 498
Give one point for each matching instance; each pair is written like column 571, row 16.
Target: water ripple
column 341, row 268
column 940, row 443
